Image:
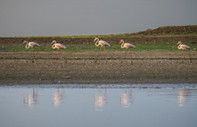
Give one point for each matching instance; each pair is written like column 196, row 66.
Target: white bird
column 58, row 46
column 126, row 45
column 182, row 46
column 102, row 44
column 31, row 45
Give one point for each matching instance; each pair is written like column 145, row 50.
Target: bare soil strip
column 84, row 68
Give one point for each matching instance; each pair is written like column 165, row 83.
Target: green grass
column 163, row 46
column 154, row 46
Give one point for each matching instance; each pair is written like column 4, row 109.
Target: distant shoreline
column 163, row 31
column 98, row 82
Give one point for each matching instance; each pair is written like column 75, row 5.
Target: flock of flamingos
column 98, row 43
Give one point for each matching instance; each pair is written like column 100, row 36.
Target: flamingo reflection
column 31, row 99
column 100, row 99
column 57, row 97
column 182, row 94
column 126, row 98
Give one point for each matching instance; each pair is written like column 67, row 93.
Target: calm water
column 98, row 106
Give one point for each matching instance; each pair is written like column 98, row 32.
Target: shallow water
column 165, row 105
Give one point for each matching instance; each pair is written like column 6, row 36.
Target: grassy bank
column 163, row 38
column 165, row 46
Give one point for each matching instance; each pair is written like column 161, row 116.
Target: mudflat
column 85, row 67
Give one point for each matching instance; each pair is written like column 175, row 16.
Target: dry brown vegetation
column 176, row 30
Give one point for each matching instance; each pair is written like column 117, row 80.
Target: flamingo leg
column 124, row 56
column 131, row 56
column 33, row 52
column 130, row 53
column 105, row 51
column 184, row 56
column 189, row 55
column 62, row 53
column 36, row 54
column 99, row 52
column 125, row 53
column 58, row 53
column 33, row 56
column 105, row 54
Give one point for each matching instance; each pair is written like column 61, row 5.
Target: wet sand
column 85, row 68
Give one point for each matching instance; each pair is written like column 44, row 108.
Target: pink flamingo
column 31, row 45
column 58, row 46
column 126, row 45
column 102, row 44
column 184, row 47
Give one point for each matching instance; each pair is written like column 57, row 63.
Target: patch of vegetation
column 190, row 30
column 165, row 46
column 164, row 31
column 125, row 35
column 79, row 44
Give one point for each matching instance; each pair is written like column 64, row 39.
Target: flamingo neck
column 179, row 46
column 97, row 43
column 27, row 45
column 53, row 46
column 122, row 45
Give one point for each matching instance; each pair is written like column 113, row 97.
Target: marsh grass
column 165, row 46
column 160, row 32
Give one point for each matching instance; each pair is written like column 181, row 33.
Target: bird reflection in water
column 100, row 99
column 57, row 97
column 182, row 94
column 32, row 98
column 126, row 98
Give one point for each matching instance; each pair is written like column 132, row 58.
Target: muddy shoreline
column 148, row 67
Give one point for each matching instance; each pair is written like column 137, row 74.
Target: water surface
column 165, row 105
